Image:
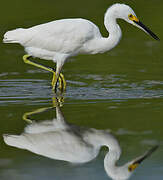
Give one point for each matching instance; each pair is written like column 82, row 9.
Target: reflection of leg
column 26, row 118
column 62, row 82
column 26, row 115
column 59, row 115
column 56, row 102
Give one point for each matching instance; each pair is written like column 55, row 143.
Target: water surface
column 121, row 90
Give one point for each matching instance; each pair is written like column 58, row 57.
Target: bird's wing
column 60, row 145
column 64, row 36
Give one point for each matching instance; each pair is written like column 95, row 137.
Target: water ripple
column 39, row 91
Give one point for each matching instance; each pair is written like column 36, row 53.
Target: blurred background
column 121, row 90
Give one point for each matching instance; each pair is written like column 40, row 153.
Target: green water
column 121, row 90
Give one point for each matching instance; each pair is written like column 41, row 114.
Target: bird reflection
column 57, row 139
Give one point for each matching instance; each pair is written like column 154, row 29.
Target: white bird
column 59, row 140
column 61, row 39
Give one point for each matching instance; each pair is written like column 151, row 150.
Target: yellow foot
column 62, row 82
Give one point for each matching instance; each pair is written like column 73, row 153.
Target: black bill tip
column 147, row 30
column 146, row 155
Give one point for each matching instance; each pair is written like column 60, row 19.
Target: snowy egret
column 61, row 39
column 60, row 140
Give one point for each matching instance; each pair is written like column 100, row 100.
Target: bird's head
column 126, row 13
column 124, row 172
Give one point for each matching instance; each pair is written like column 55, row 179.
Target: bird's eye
column 130, row 16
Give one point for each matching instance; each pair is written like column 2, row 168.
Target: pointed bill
column 146, row 29
column 139, row 160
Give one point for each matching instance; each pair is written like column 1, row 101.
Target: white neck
column 110, row 160
column 105, row 44
column 98, row 138
column 113, row 171
column 112, row 27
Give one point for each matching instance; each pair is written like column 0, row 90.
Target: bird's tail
column 14, row 140
column 13, row 36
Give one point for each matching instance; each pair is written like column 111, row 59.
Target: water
column 121, row 90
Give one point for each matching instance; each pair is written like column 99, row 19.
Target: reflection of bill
column 59, row 140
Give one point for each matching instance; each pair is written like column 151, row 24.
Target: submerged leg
column 55, row 81
column 63, row 87
column 57, row 76
column 62, row 82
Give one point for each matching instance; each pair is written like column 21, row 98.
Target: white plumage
column 58, row 40
column 65, row 37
